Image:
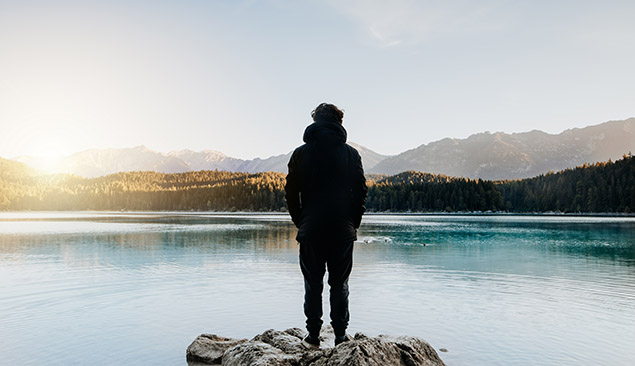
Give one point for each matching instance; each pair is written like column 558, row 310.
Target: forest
column 606, row 187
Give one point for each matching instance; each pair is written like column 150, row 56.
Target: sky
column 242, row 77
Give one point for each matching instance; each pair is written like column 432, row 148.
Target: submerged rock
column 286, row 348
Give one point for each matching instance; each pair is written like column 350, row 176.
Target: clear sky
column 241, row 77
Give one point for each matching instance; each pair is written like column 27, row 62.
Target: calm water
column 121, row 288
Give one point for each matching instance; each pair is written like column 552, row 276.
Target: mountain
column 278, row 163
column 206, row 160
column 369, row 158
column 100, row 162
column 517, row 155
column 485, row 155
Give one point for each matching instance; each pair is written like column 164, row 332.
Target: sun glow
column 49, row 163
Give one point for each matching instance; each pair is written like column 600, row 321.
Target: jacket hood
column 324, row 133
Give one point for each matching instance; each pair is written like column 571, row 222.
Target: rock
column 286, row 348
column 384, row 350
column 258, row 353
column 289, row 341
column 208, row 349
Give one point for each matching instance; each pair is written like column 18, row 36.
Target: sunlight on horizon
column 242, row 77
column 47, row 163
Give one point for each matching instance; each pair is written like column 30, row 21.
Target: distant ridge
column 500, row 155
column 491, row 156
column 99, row 162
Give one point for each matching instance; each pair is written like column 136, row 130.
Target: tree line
column 601, row 187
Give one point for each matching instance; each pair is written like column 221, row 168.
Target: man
column 326, row 192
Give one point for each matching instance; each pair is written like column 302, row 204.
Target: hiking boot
column 312, row 340
column 341, row 339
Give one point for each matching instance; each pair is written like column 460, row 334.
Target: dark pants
column 315, row 257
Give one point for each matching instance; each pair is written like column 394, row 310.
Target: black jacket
column 326, row 189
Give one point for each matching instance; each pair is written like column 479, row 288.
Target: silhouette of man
column 326, row 192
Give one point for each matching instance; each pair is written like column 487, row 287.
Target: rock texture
column 286, row 348
column 208, row 349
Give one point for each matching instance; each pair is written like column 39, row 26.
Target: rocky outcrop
column 208, row 349
column 286, row 348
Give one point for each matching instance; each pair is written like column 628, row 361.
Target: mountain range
column 98, row 162
column 484, row 155
column 518, row 155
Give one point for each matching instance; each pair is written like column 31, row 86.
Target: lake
column 116, row 288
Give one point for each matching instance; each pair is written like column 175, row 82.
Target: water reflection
column 613, row 239
column 113, row 288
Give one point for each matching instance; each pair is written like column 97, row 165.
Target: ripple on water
column 490, row 290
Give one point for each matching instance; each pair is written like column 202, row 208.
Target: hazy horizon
column 211, row 149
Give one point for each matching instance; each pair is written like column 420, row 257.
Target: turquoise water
column 137, row 288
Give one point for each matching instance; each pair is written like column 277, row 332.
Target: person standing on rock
column 326, row 193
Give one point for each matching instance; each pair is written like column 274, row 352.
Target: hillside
column 10, row 170
column 600, row 187
column 518, row 155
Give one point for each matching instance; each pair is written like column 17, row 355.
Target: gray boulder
column 286, row 348
column 208, row 349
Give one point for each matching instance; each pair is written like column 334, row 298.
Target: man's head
column 327, row 113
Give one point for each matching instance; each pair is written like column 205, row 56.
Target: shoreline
column 373, row 213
